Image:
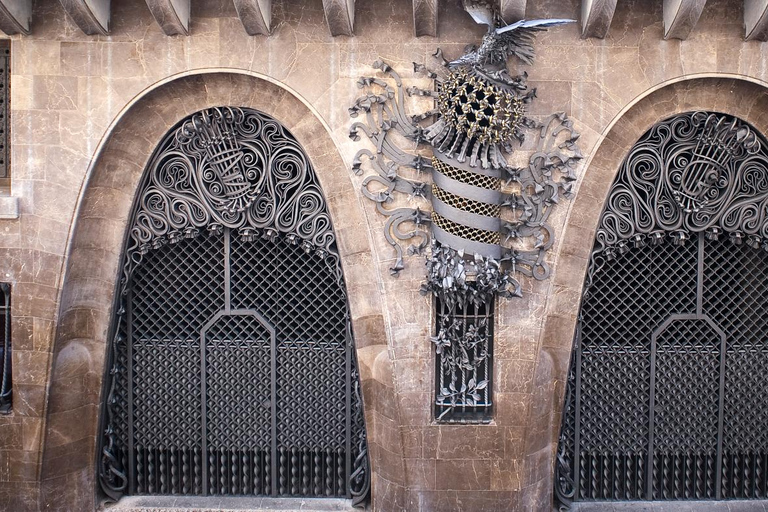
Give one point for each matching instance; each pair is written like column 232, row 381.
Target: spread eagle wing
column 517, row 39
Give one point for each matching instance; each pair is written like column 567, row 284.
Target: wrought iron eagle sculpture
column 485, row 210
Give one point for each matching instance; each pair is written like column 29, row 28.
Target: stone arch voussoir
column 745, row 99
column 94, row 252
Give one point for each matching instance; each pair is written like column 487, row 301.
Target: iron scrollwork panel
column 232, row 365
column 682, row 236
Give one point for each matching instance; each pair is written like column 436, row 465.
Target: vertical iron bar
column 651, row 413
column 204, row 415
column 273, row 455
column 129, row 382
column 577, row 416
column 227, row 272
column 349, row 348
column 700, row 276
column 720, row 406
column 6, row 386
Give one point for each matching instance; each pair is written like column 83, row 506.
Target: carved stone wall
column 88, row 110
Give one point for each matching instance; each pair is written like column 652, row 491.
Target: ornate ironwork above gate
column 666, row 391
column 232, row 363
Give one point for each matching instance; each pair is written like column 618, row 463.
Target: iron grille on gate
column 233, row 368
column 666, row 391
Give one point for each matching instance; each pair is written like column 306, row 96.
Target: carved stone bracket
column 512, row 10
column 680, row 16
column 425, row 17
column 92, row 16
column 15, row 16
column 172, row 15
column 340, row 16
column 596, row 17
column 255, row 15
column 756, row 20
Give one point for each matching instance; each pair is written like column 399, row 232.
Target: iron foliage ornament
column 495, row 174
column 696, row 172
column 232, row 362
column 665, row 397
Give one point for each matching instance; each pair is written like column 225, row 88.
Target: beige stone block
column 569, row 270
column 202, row 51
column 412, row 341
column 513, row 376
column 592, row 105
column 30, row 367
column 35, row 57
column 506, row 474
column 54, row 93
column 415, row 408
column 420, row 473
column 44, row 234
column 9, row 207
column 511, row 409
column 577, row 241
column 31, row 299
column 66, row 427
column 31, row 432
column 414, row 375
column 559, row 332
column 30, row 127
column 11, row 433
column 618, row 70
column 464, row 475
column 470, row 442
column 82, row 58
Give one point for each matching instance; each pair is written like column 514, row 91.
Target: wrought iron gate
column 233, row 369
column 666, row 394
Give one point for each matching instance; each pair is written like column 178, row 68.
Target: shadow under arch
column 740, row 97
column 95, row 247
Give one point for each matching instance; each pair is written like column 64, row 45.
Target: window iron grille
column 463, row 361
column 233, row 370
column 6, row 386
column 665, row 397
column 5, row 97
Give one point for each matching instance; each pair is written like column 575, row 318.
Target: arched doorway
column 232, row 367
column 663, row 397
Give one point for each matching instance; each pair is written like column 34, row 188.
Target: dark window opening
column 5, row 97
column 5, row 349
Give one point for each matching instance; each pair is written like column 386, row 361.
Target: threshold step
column 226, row 504
column 672, row 506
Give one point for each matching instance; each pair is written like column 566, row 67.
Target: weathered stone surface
column 87, row 112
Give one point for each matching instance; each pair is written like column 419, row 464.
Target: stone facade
column 87, row 112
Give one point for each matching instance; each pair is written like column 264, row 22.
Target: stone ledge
column 672, row 506
column 227, row 504
column 9, row 207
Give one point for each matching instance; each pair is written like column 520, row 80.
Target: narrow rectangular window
column 5, row 97
column 5, row 348
column 464, row 369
